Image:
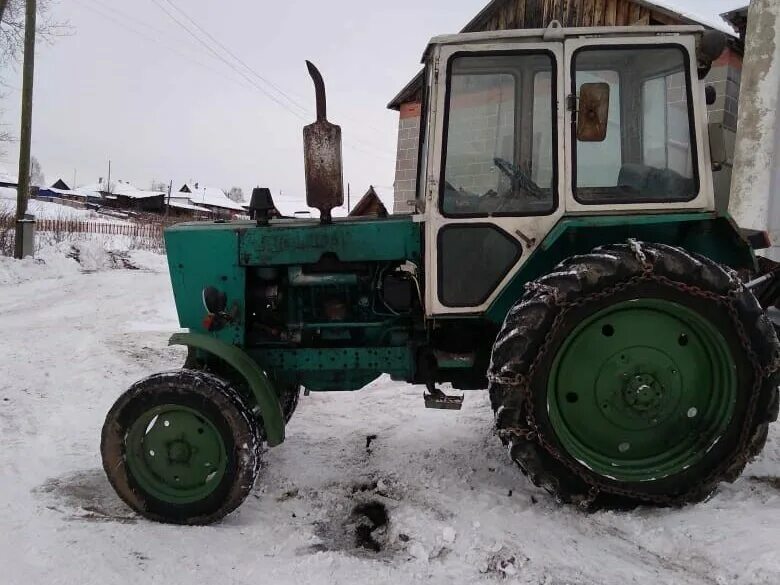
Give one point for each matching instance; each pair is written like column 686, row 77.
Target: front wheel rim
column 642, row 390
column 175, row 454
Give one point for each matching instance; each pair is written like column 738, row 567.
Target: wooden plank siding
column 571, row 13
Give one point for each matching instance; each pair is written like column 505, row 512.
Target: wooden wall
column 538, row 14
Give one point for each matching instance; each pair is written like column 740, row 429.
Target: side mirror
column 718, row 154
column 593, row 112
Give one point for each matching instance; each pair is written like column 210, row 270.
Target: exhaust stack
column 322, row 156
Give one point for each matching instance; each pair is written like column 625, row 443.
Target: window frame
column 691, row 126
column 499, row 278
column 553, row 127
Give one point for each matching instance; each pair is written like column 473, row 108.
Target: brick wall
column 406, row 160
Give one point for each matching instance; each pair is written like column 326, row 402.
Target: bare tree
column 12, row 27
column 12, row 41
column 236, row 194
column 36, row 173
column 159, row 186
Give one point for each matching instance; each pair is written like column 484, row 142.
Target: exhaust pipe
column 322, row 156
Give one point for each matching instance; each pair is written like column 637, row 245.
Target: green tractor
column 566, row 254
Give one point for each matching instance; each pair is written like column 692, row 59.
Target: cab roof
column 557, row 33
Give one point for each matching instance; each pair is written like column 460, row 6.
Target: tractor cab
column 524, row 127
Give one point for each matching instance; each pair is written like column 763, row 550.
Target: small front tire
column 182, row 447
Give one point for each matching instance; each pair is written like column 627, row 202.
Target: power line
column 289, row 98
column 226, row 62
column 285, row 95
column 243, row 74
column 120, row 18
column 105, row 12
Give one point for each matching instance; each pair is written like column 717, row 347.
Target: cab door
column 493, row 186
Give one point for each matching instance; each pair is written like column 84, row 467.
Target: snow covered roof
column 67, row 192
column 125, row 189
column 213, row 196
column 185, row 203
column 120, row 187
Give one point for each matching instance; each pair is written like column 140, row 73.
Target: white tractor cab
column 524, row 127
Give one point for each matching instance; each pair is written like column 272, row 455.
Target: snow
column 459, row 511
column 203, row 195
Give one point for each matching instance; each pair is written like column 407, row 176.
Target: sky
column 130, row 85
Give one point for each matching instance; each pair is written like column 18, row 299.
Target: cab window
column 648, row 153
column 499, row 154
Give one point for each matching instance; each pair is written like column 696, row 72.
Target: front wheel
column 182, row 447
column 637, row 373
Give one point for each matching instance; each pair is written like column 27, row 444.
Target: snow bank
column 56, row 261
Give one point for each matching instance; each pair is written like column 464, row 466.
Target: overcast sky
column 131, row 85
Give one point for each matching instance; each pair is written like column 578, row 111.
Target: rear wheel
column 637, row 373
column 182, row 447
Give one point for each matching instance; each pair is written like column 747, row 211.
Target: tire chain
column 595, row 485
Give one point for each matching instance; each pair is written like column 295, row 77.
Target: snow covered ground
column 459, row 512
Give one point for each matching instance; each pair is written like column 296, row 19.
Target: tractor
column 565, row 253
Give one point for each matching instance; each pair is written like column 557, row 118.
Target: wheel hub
column 179, row 451
column 641, row 390
column 643, row 393
column 176, row 453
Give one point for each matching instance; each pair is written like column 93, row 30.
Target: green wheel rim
column 642, row 390
column 175, row 454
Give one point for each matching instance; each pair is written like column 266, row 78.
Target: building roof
column 185, row 203
column 211, row 196
column 125, row 189
column 370, row 203
column 485, row 20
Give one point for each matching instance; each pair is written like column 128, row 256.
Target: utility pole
column 28, row 70
column 168, row 205
column 74, row 179
column 108, row 183
column 348, row 197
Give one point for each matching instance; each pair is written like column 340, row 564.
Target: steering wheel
column 519, row 179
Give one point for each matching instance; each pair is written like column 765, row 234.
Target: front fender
column 261, row 387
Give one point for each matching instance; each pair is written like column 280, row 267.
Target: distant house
column 60, row 190
column 213, row 199
column 370, row 205
column 179, row 206
column 127, row 196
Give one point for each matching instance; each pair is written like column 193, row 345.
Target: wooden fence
column 149, row 231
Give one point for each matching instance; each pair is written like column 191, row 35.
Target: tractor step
column 435, row 398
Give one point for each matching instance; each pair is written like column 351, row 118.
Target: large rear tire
column 182, row 447
column 637, row 373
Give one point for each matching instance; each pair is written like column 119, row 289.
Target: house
column 130, row 197
column 370, row 205
column 60, row 192
column 213, row 199
column 528, row 14
column 179, row 206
